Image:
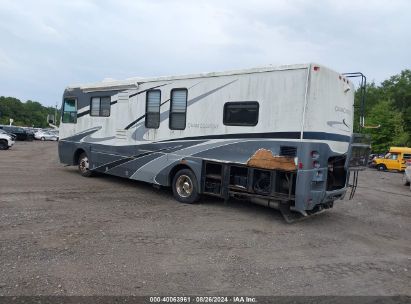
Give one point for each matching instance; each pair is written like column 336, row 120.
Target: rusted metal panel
column 265, row 159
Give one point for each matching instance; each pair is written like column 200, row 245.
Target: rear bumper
column 335, row 195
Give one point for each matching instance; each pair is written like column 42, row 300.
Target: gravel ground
column 62, row 234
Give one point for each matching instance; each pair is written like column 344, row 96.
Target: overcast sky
column 47, row 45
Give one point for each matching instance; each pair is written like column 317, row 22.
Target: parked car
column 45, row 135
column 20, row 133
column 6, row 141
column 10, row 134
column 407, row 174
column 371, row 158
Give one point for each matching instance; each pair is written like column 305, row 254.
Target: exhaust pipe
column 265, row 202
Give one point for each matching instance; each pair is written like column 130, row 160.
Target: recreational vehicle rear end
column 281, row 136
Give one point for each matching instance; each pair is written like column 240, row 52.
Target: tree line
column 387, row 112
column 26, row 114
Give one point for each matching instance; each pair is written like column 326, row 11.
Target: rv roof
column 135, row 81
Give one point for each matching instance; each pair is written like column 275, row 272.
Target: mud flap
column 293, row 216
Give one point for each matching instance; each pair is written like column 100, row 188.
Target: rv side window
column 178, row 109
column 100, row 106
column 241, row 113
column 69, row 110
column 153, row 99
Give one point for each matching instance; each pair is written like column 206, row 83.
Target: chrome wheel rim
column 184, row 186
column 84, row 164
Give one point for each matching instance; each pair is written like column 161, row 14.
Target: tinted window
column 178, row 109
column 241, row 113
column 100, row 106
column 153, row 99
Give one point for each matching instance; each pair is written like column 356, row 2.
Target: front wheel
column 381, row 167
column 3, row 145
column 84, row 165
column 185, row 187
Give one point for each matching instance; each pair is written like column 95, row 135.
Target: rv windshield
column 69, row 110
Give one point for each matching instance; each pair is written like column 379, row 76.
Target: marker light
column 315, row 154
column 316, row 68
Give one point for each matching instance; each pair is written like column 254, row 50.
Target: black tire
column 381, row 167
column 83, row 165
column 185, row 187
column 3, row 145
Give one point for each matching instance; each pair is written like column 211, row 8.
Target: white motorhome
column 282, row 136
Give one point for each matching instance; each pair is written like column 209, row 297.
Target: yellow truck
column 395, row 159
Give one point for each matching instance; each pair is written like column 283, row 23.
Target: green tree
column 30, row 113
column 373, row 95
column 398, row 89
column 391, row 131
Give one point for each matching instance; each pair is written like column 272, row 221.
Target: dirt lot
column 62, row 234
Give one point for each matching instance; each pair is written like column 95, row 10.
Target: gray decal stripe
column 198, row 98
column 140, row 92
column 165, row 114
column 77, row 137
column 126, row 159
column 284, row 135
column 140, row 131
column 91, row 140
column 88, row 111
column 83, row 113
column 119, row 162
column 134, row 122
column 157, row 165
column 165, row 102
column 134, row 164
column 142, row 116
column 288, row 135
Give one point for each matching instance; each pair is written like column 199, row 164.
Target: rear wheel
column 84, row 165
column 185, row 187
column 3, row 145
column 381, row 167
